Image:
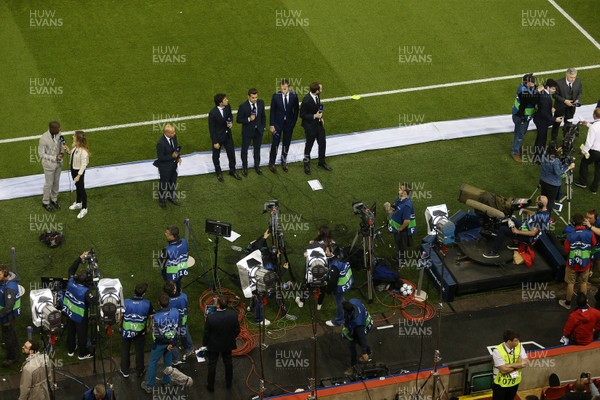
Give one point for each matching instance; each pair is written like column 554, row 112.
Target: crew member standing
column 568, row 95
column 10, row 307
column 251, row 115
column 167, row 153
column 591, row 147
column 134, row 325
column 509, row 360
column 311, row 112
column 283, row 117
column 522, row 113
column 34, row 379
column 174, row 257
column 402, row 221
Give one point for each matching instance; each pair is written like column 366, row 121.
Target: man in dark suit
column 283, row 117
column 220, row 331
column 543, row 118
column 167, row 153
column 219, row 125
column 251, row 115
column 312, row 122
column 568, row 94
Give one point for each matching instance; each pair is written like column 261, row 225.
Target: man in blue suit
column 543, row 118
column 251, row 115
column 283, row 117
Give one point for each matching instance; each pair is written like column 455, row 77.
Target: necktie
column 285, row 102
column 254, row 109
column 318, row 100
column 171, row 143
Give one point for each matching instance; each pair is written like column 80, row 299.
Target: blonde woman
column 80, row 155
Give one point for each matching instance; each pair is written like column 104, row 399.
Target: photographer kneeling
column 76, row 302
column 529, row 231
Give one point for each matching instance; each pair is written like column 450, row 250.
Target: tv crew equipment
column 570, row 132
column 369, row 233
column 316, row 266
column 44, row 314
column 439, row 224
column 277, row 234
column 189, row 236
column 217, row 229
column 110, row 292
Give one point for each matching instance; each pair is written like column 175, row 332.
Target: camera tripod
column 368, row 233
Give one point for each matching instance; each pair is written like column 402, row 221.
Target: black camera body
column 217, row 228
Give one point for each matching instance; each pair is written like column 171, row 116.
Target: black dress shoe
column 55, row 204
column 47, row 207
column 307, row 168
column 219, row 176
column 258, row 171
column 163, row 204
column 244, row 171
column 284, row 167
column 236, row 176
column 272, row 168
column 173, row 201
column 325, row 166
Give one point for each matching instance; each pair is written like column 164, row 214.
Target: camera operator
column 357, row 325
column 323, row 240
column 551, row 172
column 98, row 392
column 522, row 113
column 134, row 326
column 340, row 282
column 402, row 222
column 179, row 300
column 591, row 146
column 76, row 303
column 174, row 257
column 10, row 307
column 529, row 231
column 34, row 379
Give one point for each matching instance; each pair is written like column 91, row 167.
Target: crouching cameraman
column 76, row 303
column 529, row 231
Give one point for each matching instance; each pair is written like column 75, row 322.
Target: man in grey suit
column 567, row 97
column 50, row 150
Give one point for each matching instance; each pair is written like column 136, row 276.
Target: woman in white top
column 80, row 155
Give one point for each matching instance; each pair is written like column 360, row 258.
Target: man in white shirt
column 591, row 147
column 509, row 360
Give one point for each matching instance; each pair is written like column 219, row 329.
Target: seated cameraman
column 174, row 257
column 98, row 392
column 530, row 230
column 76, row 302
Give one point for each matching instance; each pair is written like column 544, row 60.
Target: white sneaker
column 82, row 213
column 329, row 323
column 75, row 206
column 319, row 307
column 267, row 322
column 299, row 302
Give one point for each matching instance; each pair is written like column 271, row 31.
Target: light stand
column 189, row 236
column 217, row 229
column 261, row 338
column 367, row 231
column 312, row 381
column 50, row 355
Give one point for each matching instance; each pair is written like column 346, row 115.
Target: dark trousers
column 168, row 181
column 285, row 137
column 540, row 140
column 360, row 339
column 9, row 337
column 583, row 169
column 256, row 140
column 313, row 133
column 230, row 149
column 77, row 336
column 403, row 242
column 80, row 188
column 504, row 393
column 139, row 342
column 213, row 357
column 551, row 192
column 568, row 113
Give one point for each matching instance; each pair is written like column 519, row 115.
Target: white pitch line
column 342, row 98
column 579, row 27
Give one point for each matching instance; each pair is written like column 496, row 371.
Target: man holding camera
column 402, row 222
column 174, row 257
column 10, row 307
column 528, row 232
column 251, row 115
column 567, row 98
column 311, row 112
column 77, row 300
column 522, row 112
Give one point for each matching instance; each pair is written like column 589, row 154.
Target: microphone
column 62, row 141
